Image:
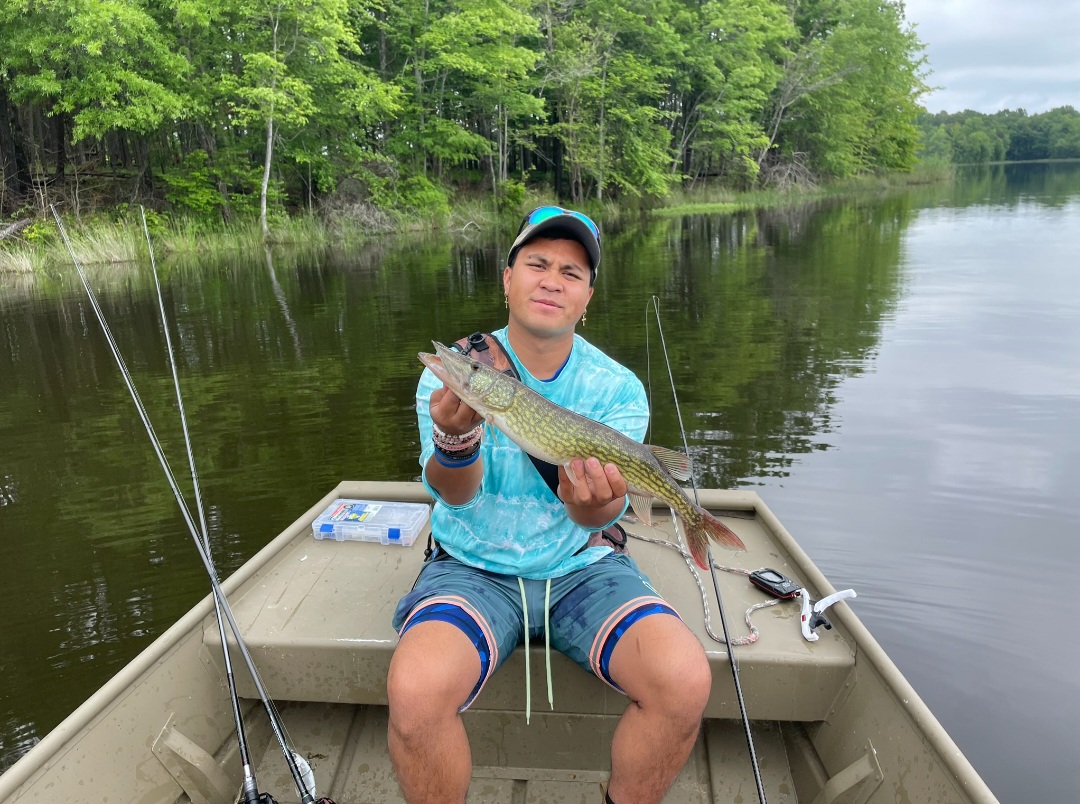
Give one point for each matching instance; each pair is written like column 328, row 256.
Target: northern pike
column 552, row 433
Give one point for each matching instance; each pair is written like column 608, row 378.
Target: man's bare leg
column 434, row 669
column 663, row 669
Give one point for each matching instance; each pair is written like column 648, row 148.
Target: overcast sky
column 989, row 55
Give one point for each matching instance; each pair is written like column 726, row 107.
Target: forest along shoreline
column 326, row 122
column 34, row 246
column 325, row 119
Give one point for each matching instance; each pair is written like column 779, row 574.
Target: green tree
column 731, row 61
column 609, row 70
column 482, row 68
column 103, row 65
column 854, row 79
column 299, row 61
column 1064, row 133
column 977, row 139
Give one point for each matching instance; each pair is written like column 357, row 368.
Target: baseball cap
column 548, row 221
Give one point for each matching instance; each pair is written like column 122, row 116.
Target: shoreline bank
column 100, row 238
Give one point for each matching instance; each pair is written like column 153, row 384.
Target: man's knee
column 432, row 672
column 696, row 681
column 663, row 665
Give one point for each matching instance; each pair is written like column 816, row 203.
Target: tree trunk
column 263, row 219
column 207, row 142
column 266, row 175
column 13, row 162
column 146, row 173
column 557, row 158
column 60, row 135
column 603, row 155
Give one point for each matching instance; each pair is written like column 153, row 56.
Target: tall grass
column 91, row 245
column 714, row 199
column 101, row 240
column 104, row 240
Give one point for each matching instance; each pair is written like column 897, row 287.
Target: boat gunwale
column 870, row 650
column 113, row 690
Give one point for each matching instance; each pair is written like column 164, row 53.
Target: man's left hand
column 598, row 485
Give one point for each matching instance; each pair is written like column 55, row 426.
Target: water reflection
column 897, row 390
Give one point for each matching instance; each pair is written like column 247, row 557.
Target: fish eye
column 475, row 366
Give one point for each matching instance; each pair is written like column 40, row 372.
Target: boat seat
column 317, row 622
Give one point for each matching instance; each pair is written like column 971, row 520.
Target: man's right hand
column 455, row 485
column 452, row 415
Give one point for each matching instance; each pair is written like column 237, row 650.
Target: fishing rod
column 655, row 302
column 302, row 778
column 250, row 784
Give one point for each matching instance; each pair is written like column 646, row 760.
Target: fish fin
column 570, row 473
column 677, row 463
column 642, row 505
column 698, row 544
column 721, row 533
column 708, row 527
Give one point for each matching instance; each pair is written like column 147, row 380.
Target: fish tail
column 704, row 527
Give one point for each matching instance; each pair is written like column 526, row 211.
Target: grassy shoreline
column 104, row 239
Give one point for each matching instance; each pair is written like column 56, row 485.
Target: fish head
column 477, row 384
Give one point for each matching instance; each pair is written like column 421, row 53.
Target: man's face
column 547, row 287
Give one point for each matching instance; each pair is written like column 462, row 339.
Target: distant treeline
column 213, row 107
column 973, row 137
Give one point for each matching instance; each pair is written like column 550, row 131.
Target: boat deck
column 352, row 767
column 317, row 622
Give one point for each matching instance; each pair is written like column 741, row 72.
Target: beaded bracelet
column 454, row 445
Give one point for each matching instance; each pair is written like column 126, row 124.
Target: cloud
column 989, row 55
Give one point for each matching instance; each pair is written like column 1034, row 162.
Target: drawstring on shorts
column 547, row 646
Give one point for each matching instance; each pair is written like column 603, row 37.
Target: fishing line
column 754, row 633
column 222, row 604
column 654, row 301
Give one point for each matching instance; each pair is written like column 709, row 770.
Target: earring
column 583, row 314
column 506, row 301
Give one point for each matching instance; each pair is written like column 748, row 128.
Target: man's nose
column 551, row 280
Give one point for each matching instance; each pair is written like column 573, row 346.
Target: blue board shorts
column 588, row 610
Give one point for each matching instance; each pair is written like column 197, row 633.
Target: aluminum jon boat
column 833, row 720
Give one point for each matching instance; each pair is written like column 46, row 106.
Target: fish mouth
column 435, row 365
column 442, row 369
column 433, row 362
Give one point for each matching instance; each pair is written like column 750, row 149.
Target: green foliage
column 192, row 186
column 409, row 194
column 733, row 53
column 854, row 81
column 974, row 137
column 512, row 194
column 39, row 232
column 107, row 63
column 213, row 105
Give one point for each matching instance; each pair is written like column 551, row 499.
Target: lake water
column 899, row 378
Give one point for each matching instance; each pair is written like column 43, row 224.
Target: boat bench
column 317, row 621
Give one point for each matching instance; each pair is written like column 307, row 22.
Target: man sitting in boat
column 514, row 559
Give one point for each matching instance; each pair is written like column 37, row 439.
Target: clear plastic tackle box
column 371, row 521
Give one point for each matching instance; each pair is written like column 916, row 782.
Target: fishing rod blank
column 655, row 302
column 250, row 784
column 302, row 786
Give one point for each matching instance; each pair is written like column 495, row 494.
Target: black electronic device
column 775, row 583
